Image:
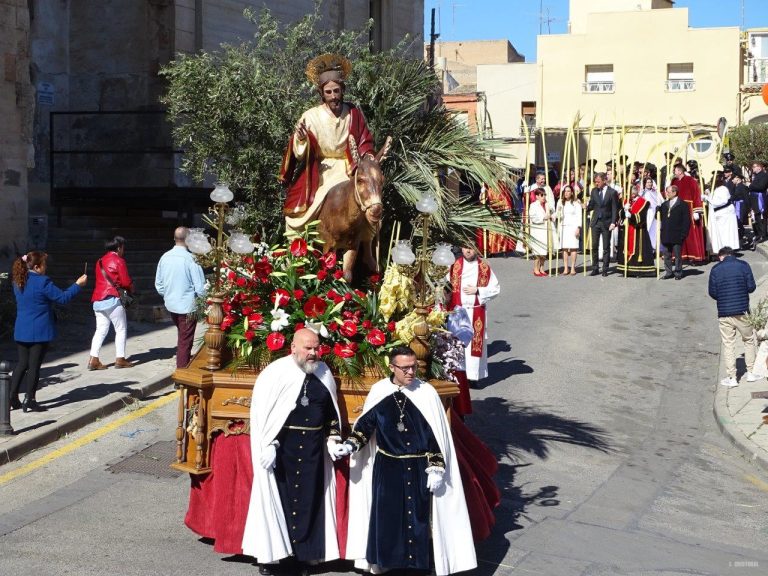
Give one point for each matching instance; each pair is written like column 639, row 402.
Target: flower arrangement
column 271, row 294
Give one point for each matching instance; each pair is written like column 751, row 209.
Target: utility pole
column 432, row 38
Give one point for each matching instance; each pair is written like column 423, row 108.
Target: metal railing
column 603, row 87
column 681, row 85
column 757, row 71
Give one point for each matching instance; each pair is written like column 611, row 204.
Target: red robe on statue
column 694, row 248
column 302, row 175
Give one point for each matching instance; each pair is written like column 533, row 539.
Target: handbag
column 126, row 298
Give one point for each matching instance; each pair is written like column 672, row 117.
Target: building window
column 599, row 79
column 757, row 59
column 528, row 116
column 701, row 144
column 680, row 77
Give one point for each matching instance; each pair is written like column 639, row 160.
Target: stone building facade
column 90, row 70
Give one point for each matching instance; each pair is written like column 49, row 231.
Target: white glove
column 336, row 449
column 705, row 197
column 342, row 450
column 696, row 216
column 268, row 457
column 627, row 213
column 434, row 478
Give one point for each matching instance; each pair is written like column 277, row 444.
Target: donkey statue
column 351, row 214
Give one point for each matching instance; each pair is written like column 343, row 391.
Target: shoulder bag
column 126, row 299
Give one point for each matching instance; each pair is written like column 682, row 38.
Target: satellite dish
column 722, row 127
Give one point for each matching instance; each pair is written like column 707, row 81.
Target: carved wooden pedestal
column 219, row 402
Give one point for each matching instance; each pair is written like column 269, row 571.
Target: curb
column 35, row 439
column 749, row 450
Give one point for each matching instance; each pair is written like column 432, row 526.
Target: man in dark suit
column 604, row 205
column 758, row 185
column 675, row 224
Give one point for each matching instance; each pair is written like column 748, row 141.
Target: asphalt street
column 598, row 406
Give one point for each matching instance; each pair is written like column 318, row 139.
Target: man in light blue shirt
column 179, row 280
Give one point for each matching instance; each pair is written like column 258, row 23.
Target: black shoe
column 31, row 405
column 15, row 403
column 667, row 277
column 678, row 277
column 265, row 570
column 605, row 272
column 595, row 272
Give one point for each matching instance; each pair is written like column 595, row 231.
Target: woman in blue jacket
column 35, row 322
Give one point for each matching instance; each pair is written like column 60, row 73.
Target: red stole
column 631, row 232
column 478, row 311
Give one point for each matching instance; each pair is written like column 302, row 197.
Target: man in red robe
column 689, row 192
column 320, row 151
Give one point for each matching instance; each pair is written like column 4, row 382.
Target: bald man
column 180, row 281
column 295, row 437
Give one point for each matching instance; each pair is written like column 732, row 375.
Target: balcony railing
column 681, row 85
column 605, row 87
column 757, row 71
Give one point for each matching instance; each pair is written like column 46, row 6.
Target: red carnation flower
column 240, row 282
column 323, row 349
column 348, row 328
column 367, row 324
column 227, row 322
column 298, row 294
column 343, row 351
column 231, row 275
column 329, row 260
column 299, row 326
column 285, row 296
column 314, row 307
column 338, row 274
column 255, row 318
column 353, row 346
column 348, row 296
column 249, row 334
column 262, row 269
column 275, row 341
column 360, row 293
column 391, row 326
column 322, row 274
column 333, row 326
column 248, row 260
column 374, row 278
column 299, row 247
column 376, row 337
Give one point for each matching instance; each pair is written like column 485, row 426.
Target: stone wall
column 16, row 111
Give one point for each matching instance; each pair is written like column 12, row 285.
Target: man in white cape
column 405, row 486
column 294, row 439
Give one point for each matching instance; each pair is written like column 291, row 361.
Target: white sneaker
column 729, row 382
column 752, row 377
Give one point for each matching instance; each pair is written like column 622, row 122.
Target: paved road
column 599, row 407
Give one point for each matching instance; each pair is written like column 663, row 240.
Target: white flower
column 279, row 320
column 317, row 328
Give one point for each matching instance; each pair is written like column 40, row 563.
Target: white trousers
column 116, row 317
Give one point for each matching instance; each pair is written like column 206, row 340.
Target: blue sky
column 518, row 20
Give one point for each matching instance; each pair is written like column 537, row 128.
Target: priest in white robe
column 473, row 285
column 406, row 497
column 295, row 436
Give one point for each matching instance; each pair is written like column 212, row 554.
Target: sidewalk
column 739, row 411
column 75, row 396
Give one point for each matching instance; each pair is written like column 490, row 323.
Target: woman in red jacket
column 106, row 303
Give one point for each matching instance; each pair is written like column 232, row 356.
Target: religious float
column 258, row 297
